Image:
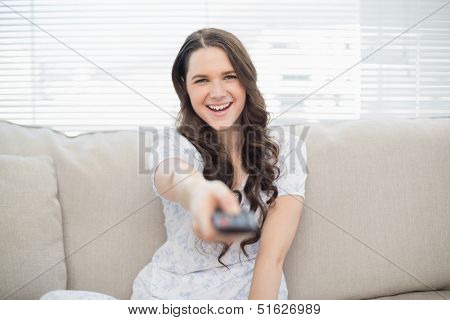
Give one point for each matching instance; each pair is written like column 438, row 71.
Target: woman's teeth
column 219, row 108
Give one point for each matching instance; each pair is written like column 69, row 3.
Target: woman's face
column 212, row 84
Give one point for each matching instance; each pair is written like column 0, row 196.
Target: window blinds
column 89, row 65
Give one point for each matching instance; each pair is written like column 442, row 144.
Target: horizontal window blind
column 84, row 65
column 410, row 77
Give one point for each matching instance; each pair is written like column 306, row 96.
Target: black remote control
column 242, row 223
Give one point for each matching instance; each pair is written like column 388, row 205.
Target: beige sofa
column 79, row 213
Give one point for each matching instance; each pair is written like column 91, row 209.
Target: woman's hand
column 205, row 198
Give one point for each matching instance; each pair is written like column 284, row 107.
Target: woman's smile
column 219, row 110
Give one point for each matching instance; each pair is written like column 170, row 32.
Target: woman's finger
column 218, row 196
column 228, row 202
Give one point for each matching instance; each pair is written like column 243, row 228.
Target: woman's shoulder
column 170, row 137
column 168, row 143
column 287, row 139
column 167, row 132
column 292, row 163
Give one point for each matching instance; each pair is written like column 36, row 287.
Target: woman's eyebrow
column 205, row 76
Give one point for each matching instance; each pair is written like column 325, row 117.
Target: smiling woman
column 223, row 122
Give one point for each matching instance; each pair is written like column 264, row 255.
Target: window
column 98, row 65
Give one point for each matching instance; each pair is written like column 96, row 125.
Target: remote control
column 242, row 223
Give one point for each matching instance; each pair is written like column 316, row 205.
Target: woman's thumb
column 229, row 202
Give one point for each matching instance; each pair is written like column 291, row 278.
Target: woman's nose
column 217, row 91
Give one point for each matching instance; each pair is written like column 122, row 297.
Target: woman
column 221, row 148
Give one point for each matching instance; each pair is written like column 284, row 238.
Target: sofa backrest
column 377, row 210
column 376, row 219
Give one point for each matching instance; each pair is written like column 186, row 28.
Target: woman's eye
column 227, row 77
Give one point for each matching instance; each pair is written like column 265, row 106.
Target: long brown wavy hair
column 259, row 153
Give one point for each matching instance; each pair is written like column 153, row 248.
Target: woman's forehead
column 209, row 61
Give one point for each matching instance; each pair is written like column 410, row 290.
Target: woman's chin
column 225, row 125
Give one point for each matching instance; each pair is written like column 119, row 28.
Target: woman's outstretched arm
column 277, row 235
column 177, row 181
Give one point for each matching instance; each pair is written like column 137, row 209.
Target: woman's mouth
column 219, row 109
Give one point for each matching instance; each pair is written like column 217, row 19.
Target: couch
column 79, row 212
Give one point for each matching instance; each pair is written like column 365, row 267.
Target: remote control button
column 223, row 222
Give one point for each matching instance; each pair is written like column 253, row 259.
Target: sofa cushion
column 31, row 235
column 111, row 220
